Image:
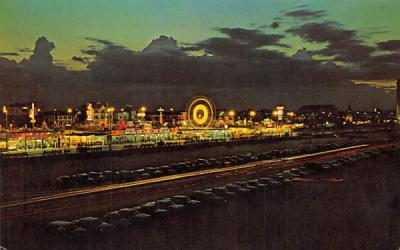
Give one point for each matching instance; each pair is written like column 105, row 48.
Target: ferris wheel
column 201, row 112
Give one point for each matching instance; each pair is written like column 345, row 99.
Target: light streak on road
column 112, row 187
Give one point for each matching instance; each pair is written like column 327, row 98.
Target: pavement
column 80, row 202
column 360, row 212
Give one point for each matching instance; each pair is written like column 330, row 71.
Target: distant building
column 58, row 119
column 127, row 114
column 98, row 114
column 18, row 109
column 349, row 115
column 19, row 114
column 398, row 100
column 308, row 109
column 316, row 116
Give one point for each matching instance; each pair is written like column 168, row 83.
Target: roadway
column 95, row 201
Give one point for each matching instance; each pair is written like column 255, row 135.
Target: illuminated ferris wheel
column 201, row 112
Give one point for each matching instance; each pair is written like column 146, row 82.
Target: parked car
column 105, row 228
column 223, row 192
column 186, row 201
column 90, row 223
column 116, row 219
column 128, row 213
column 60, row 227
column 208, row 198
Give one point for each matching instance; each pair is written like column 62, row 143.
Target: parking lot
column 360, row 212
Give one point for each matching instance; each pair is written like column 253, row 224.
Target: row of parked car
column 126, row 218
column 119, row 176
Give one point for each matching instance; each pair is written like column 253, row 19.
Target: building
column 20, row 114
column 317, row 116
column 127, row 114
column 398, row 100
column 349, row 115
column 58, row 119
column 309, row 109
column 99, row 115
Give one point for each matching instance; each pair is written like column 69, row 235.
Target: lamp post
column 142, row 112
column 231, row 114
column 54, row 118
column 69, row 116
column 32, row 115
column 5, row 112
column 161, row 110
column 252, row 114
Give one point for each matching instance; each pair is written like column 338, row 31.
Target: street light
column 69, row 110
column 5, row 112
column 252, row 113
column 161, row 110
column 142, row 112
column 231, row 113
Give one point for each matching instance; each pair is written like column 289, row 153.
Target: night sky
column 243, row 54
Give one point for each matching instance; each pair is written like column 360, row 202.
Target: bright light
column 69, row 110
column 5, row 110
column 231, row 113
column 143, row 109
column 252, row 113
column 275, row 113
column 110, row 110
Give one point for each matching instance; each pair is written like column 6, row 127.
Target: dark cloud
column 9, row 54
column 163, row 45
column 90, row 51
column 81, row 59
column 25, row 50
column 377, row 32
column 301, row 6
column 275, row 25
column 41, row 59
column 390, row 45
column 254, row 38
column 240, row 73
column 239, row 43
column 101, row 41
column 323, row 32
column 393, row 58
column 306, row 13
column 7, row 63
column 241, row 70
column 303, row 54
column 343, row 44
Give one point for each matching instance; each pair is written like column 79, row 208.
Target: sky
column 358, row 36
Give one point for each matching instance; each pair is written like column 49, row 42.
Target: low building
column 398, row 100
column 317, row 116
column 58, row 119
column 19, row 114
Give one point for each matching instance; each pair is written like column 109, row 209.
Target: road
column 96, row 201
